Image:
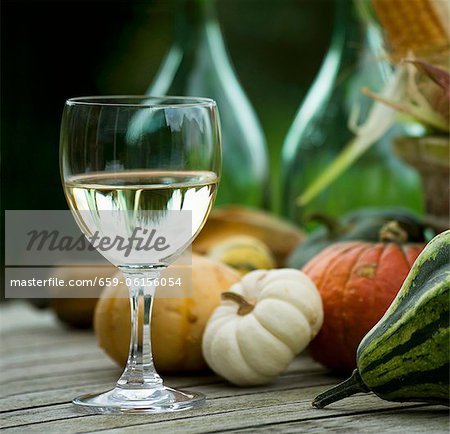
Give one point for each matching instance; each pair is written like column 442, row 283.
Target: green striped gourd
column 405, row 357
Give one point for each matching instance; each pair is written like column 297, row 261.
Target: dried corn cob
column 420, row 26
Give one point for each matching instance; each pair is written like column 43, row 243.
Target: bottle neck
column 348, row 31
column 191, row 19
column 357, row 43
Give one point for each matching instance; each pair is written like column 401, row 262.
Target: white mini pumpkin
column 263, row 322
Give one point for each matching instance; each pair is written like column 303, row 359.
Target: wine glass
column 140, row 163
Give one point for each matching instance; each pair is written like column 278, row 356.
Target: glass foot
column 139, row 400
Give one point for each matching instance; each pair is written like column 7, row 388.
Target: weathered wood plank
column 43, row 373
column 60, row 354
column 213, row 386
column 91, row 377
column 230, row 413
column 66, row 367
column 220, row 399
column 405, row 420
column 228, row 401
column 45, row 366
column 42, row 344
column 56, row 381
column 12, row 371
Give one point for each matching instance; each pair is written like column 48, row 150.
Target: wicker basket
column 430, row 156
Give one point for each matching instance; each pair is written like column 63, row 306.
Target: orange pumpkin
column 357, row 281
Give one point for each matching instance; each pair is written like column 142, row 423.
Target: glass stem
column 140, row 371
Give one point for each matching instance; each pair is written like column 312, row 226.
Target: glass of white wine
column 148, row 164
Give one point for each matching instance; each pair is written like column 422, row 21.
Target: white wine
column 114, row 204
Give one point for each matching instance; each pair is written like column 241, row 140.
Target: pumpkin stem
column 245, row 306
column 392, row 231
column 349, row 387
column 332, row 225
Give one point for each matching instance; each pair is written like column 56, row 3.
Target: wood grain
column 44, row 366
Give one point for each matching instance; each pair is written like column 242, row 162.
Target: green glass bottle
column 321, row 130
column 197, row 64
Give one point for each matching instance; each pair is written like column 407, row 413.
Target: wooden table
column 44, row 365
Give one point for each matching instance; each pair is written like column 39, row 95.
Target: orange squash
column 357, row 281
column 177, row 323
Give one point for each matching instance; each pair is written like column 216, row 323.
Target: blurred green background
column 55, row 50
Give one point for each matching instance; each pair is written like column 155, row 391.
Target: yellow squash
column 177, row 323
